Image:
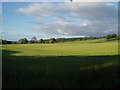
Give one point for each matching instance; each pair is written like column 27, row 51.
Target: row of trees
column 111, row 37
column 5, row 42
column 34, row 40
column 53, row 40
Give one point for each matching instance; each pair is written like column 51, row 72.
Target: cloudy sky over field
column 51, row 19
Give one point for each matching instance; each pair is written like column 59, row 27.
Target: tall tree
column 40, row 41
column 114, row 35
column 52, row 40
column 23, row 41
column 34, row 40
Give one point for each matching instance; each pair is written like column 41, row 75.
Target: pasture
column 78, row 64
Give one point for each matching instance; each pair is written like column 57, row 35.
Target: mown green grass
column 77, row 48
column 79, row 64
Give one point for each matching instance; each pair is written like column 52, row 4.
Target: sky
column 58, row 19
column 59, row 0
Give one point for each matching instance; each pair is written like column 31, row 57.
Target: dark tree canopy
column 52, row 40
column 114, row 35
column 109, row 36
column 34, row 40
column 5, row 42
column 23, row 41
column 40, row 41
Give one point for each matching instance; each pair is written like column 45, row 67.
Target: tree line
column 109, row 37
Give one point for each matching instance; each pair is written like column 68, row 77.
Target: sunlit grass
column 76, row 48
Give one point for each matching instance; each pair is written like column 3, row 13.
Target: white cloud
column 60, row 21
column 90, row 19
column 79, row 10
column 86, row 23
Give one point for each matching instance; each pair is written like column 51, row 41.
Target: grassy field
column 76, row 48
column 78, row 64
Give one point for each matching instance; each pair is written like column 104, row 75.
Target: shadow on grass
column 59, row 71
